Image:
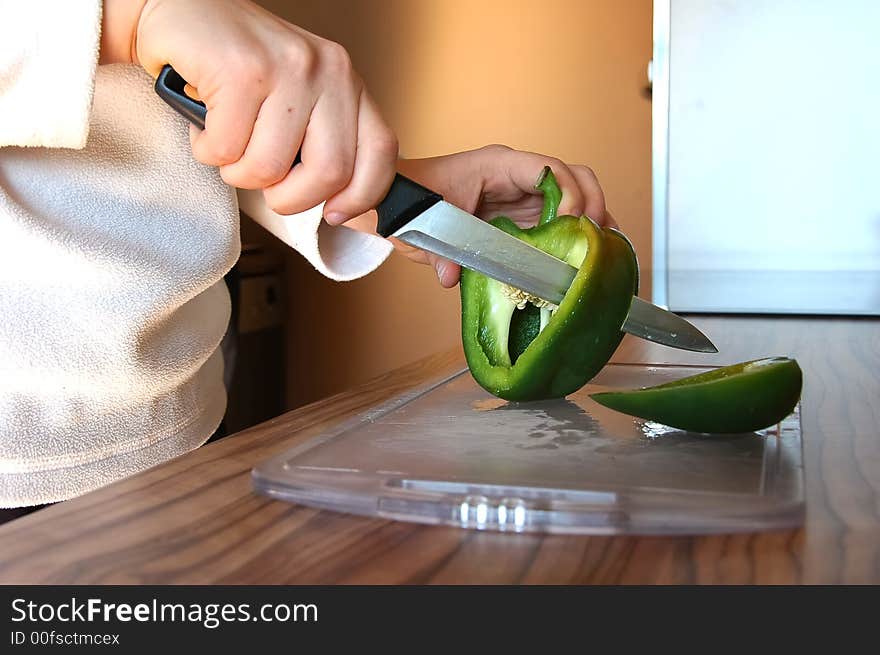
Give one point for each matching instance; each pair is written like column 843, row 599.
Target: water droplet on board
column 653, row 430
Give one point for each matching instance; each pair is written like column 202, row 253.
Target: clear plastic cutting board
column 450, row 453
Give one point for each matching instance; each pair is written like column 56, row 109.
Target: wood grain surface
column 196, row 520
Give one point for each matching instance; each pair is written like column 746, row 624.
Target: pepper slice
column 519, row 347
column 740, row 398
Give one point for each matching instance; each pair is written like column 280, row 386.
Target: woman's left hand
column 497, row 180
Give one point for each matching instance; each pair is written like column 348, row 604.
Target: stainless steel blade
column 452, row 233
column 656, row 324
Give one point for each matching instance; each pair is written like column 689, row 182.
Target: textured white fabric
column 46, row 42
column 340, row 253
column 114, row 243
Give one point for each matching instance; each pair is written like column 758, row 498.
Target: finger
column 230, row 119
column 410, row 252
column 276, row 138
column 573, row 201
column 524, row 168
column 448, row 272
column 610, row 221
column 594, row 205
column 328, row 154
column 374, row 166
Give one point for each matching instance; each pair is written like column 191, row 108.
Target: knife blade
column 421, row 218
column 450, row 232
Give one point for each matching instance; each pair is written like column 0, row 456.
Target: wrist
column 119, row 23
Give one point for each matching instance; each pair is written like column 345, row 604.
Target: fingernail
column 441, row 269
column 335, row 218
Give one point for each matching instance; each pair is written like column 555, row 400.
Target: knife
column 421, row 218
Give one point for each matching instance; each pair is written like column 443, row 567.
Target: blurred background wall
column 561, row 77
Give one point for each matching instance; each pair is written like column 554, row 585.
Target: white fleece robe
column 114, row 244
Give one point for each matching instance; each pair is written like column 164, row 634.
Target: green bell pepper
column 519, row 347
column 739, row 398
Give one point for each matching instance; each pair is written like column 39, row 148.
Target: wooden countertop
column 196, row 520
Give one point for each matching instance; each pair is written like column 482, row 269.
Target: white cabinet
column 767, row 156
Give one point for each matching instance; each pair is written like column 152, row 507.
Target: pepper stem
column 552, row 195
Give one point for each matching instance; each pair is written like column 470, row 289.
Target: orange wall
column 562, row 77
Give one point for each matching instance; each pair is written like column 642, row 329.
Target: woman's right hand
column 271, row 89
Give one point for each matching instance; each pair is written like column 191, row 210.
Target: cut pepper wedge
column 740, row 398
column 521, row 348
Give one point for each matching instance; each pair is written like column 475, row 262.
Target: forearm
column 118, row 28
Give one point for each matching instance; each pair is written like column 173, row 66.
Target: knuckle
column 251, row 66
column 385, row 143
column 496, row 149
column 356, row 201
column 336, row 173
column 337, row 59
column 589, row 171
column 557, row 166
column 268, row 170
column 220, row 153
column 280, row 204
column 302, row 59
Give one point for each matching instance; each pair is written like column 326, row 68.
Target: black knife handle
column 170, row 87
column 405, row 200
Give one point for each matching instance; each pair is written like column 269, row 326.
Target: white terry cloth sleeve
column 48, row 56
column 339, row 252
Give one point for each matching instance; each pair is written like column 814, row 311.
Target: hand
column 269, row 88
column 498, row 180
